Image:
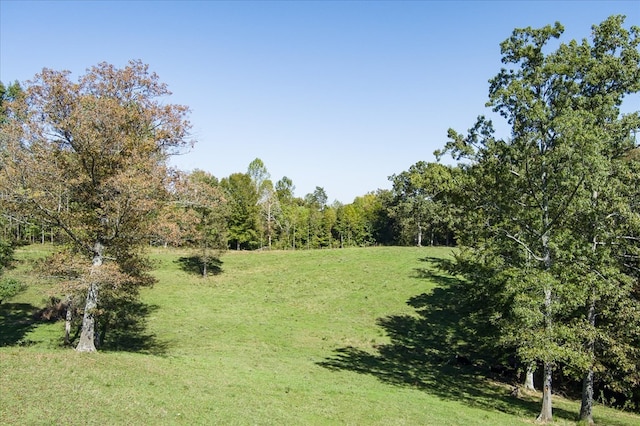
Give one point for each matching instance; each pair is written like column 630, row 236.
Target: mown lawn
column 283, row 338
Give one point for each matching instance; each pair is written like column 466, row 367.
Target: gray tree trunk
column 586, row 408
column 528, row 379
column 67, row 321
column 88, row 335
column 546, row 414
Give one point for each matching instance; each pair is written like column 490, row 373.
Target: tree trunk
column 87, row 341
column 205, row 260
column 586, row 407
column 419, row 235
column 88, row 334
column 528, row 379
column 204, row 267
column 546, row 414
column 67, row 321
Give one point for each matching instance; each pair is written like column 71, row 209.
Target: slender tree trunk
column 419, row 235
column 528, row 379
column 88, row 335
column 586, row 408
column 67, row 321
column 205, row 260
column 546, row 414
column 269, row 226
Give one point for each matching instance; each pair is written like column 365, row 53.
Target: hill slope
column 304, row 337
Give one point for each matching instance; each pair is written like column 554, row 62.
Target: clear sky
column 335, row 94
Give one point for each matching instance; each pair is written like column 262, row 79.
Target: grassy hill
column 282, row 338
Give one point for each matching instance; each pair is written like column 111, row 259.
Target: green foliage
column 243, row 218
column 422, row 202
column 8, row 94
column 552, row 212
column 203, row 222
column 9, row 287
column 6, row 254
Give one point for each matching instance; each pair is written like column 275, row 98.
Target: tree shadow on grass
column 16, row 320
column 125, row 330
column 194, row 265
column 123, row 326
column 439, row 350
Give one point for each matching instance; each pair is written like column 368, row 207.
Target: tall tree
column 349, row 225
column 543, row 197
column 89, row 157
column 316, row 233
column 267, row 199
column 244, row 213
column 284, row 192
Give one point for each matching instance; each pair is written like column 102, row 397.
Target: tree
column 350, row 225
column 545, row 223
column 258, row 173
column 267, row 199
column 205, row 213
column 243, row 218
column 316, row 230
column 89, row 157
column 419, row 193
column 9, row 94
column 285, row 220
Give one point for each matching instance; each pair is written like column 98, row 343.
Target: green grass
column 282, row 338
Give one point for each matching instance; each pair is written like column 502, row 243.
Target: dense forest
column 547, row 222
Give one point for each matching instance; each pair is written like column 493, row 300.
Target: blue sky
column 333, row 94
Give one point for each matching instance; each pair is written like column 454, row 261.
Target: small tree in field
column 89, row 157
column 204, row 218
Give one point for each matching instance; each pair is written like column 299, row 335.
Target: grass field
column 275, row 338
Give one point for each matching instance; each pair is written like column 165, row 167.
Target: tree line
column 546, row 221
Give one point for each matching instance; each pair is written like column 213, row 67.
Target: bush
column 6, row 254
column 9, row 287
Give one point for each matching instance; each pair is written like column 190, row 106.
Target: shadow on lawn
column 16, row 320
column 194, row 265
column 121, row 329
column 125, row 329
column 427, row 351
